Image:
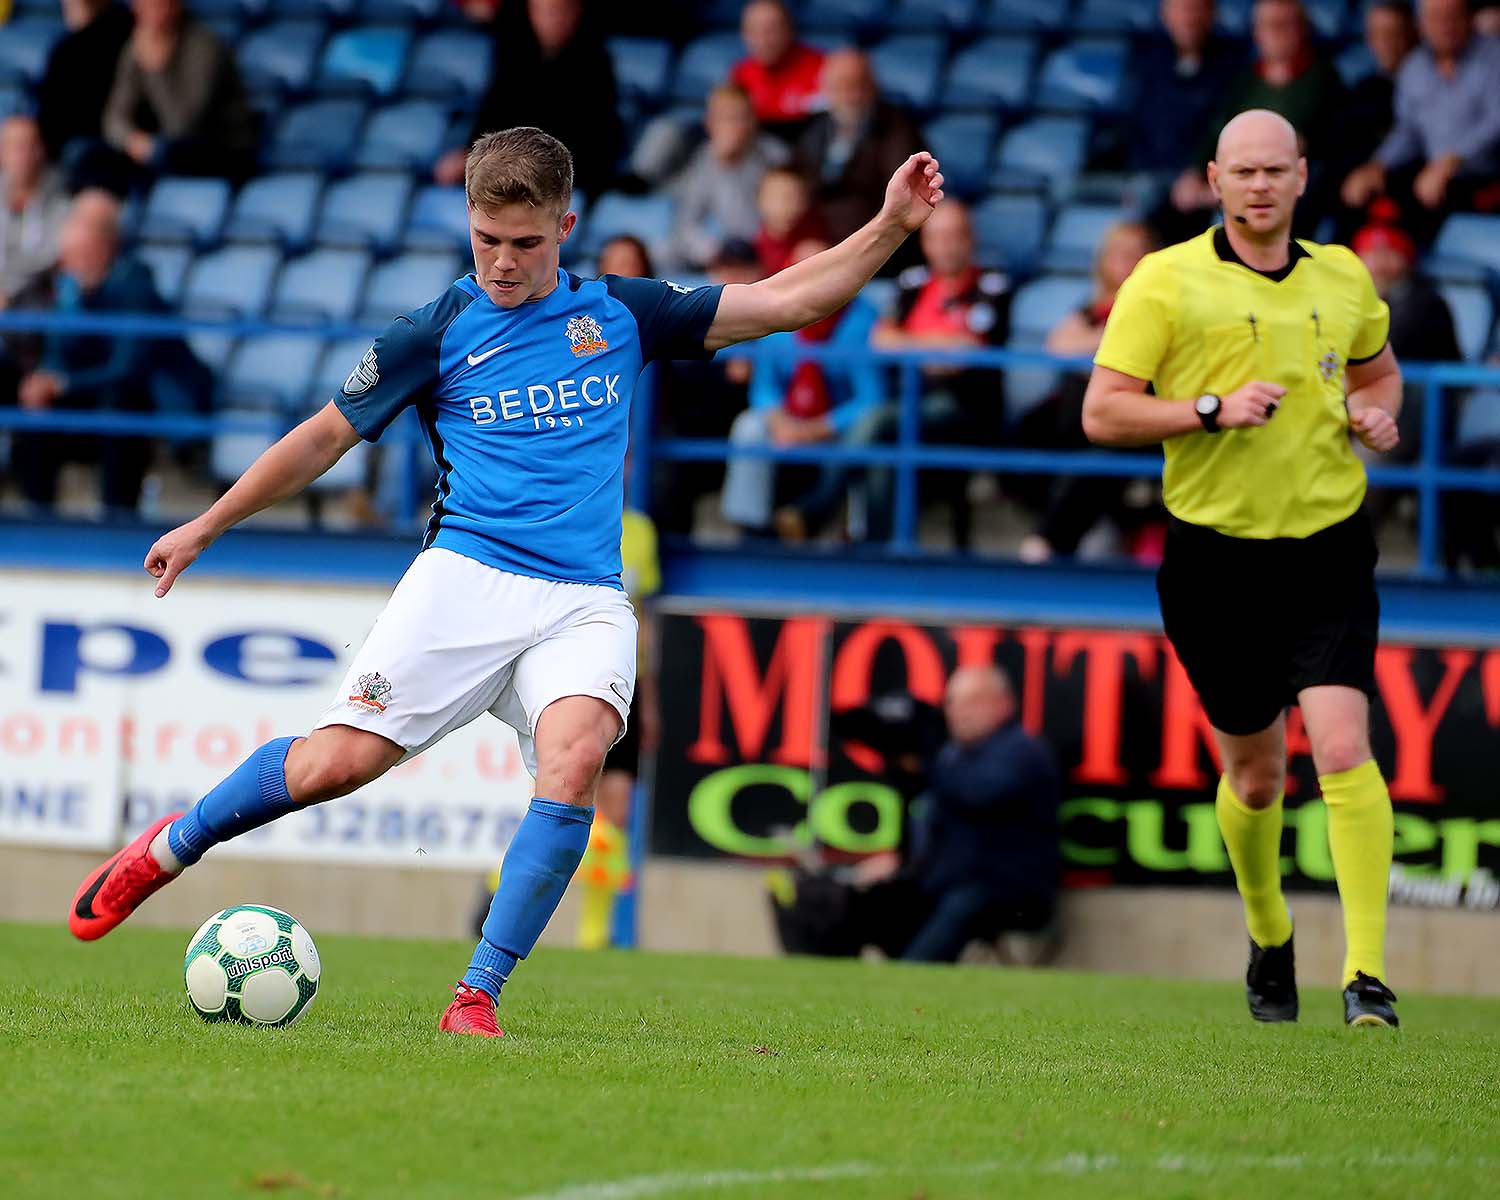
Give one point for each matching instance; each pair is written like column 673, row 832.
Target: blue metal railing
column 1429, row 476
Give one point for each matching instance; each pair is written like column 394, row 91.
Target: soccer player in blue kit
column 522, row 376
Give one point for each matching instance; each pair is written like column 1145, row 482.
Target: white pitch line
column 647, row 1187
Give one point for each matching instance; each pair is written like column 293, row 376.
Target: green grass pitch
column 632, row 1076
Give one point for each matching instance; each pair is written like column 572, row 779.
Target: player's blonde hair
column 524, row 165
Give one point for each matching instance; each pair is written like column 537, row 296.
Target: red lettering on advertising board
column 1297, row 745
column 1034, row 645
column 1489, row 684
column 855, row 664
column 1414, row 725
column 1103, row 693
column 1185, row 731
column 730, row 671
column 975, row 644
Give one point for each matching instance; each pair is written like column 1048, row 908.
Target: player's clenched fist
column 1375, row 427
column 173, row 553
column 1253, row 403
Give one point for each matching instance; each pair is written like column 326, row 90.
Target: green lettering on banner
column 1098, row 808
column 1462, row 838
column 710, row 808
column 1205, row 844
column 1414, row 835
column 829, row 817
column 1310, row 820
column 1145, row 823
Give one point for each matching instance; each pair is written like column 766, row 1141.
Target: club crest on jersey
column 1328, row 365
column 363, row 377
column 586, row 335
column 373, row 691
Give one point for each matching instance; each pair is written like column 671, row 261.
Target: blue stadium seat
column 14, row 100
column 413, row 12
column 993, row 72
column 962, row 143
column 233, row 282
column 406, row 282
column 1354, row 64
column 451, row 64
column 1082, row 76
column 1077, row 231
column 1330, row 19
column 168, row 266
column 366, row 210
column 269, row 371
column 229, row 26
column 1471, row 236
column 1036, row 308
column 1479, row 422
column 1116, row 16
column 365, row 61
column 25, row 44
column 642, row 68
column 438, row 221
column 647, row 217
column 333, row 11
column 321, row 134
column 1007, row 15
column 231, row 453
column 934, row 16
column 184, row 210
column 409, row 136
column 705, row 61
column 324, row 285
column 1046, row 150
column 340, row 356
column 281, row 57
column 880, row 294
column 906, row 67
column 278, row 208
column 1473, row 316
column 1009, row 230
column 845, row 17
column 1233, row 16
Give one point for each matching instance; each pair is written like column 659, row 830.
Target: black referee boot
column 1367, row 1001
column 1271, row 982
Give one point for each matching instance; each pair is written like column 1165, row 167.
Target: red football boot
column 115, row 890
column 472, row 1011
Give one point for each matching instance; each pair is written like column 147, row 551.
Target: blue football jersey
column 527, row 411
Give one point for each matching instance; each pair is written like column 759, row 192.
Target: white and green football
column 252, row 964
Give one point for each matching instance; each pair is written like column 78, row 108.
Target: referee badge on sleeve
column 365, row 376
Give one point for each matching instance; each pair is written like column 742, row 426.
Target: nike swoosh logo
column 85, row 906
column 624, row 699
column 476, row 359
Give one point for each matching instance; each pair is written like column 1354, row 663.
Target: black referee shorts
column 1256, row 621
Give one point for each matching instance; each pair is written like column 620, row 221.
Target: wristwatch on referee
column 1207, row 407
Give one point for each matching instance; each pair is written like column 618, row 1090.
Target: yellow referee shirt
column 1193, row 318
column 640, row 572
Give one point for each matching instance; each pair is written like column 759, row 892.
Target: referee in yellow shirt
column 1265, row 355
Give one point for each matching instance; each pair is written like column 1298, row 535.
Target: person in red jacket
column 782, row 76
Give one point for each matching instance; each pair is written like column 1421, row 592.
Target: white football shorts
column 458, row 638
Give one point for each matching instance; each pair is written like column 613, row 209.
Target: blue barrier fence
column 1429, row 477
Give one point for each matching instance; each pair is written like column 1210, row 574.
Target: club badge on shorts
column 373, row 692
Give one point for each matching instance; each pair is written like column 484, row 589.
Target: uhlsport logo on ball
column 252, row 964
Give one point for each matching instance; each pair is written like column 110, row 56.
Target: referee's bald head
column 1258, row 127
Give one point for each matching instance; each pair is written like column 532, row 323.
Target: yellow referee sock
column 1360, row 832
column 1253, row 838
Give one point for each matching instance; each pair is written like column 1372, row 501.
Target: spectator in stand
column 33, row 206
column 1444, row 152
column 850, row 150
column 80, row 71
column 1175, row 85
column 177, row 107
column 536, row 46
column 1487, row 18
column 1390, row 35
column 91, row 371
column 700, row 399
column 1286, row 77
column 779, row 74
column 625, row 255
column 1076, row 504
column 803, row 404
column 950, row 302
column 787, row 218
column 716, row 194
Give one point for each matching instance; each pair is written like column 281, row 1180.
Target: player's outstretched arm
column 282, row 471
column 810, row 290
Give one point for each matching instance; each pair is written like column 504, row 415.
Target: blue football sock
column 253, row 795
column 541, row 860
